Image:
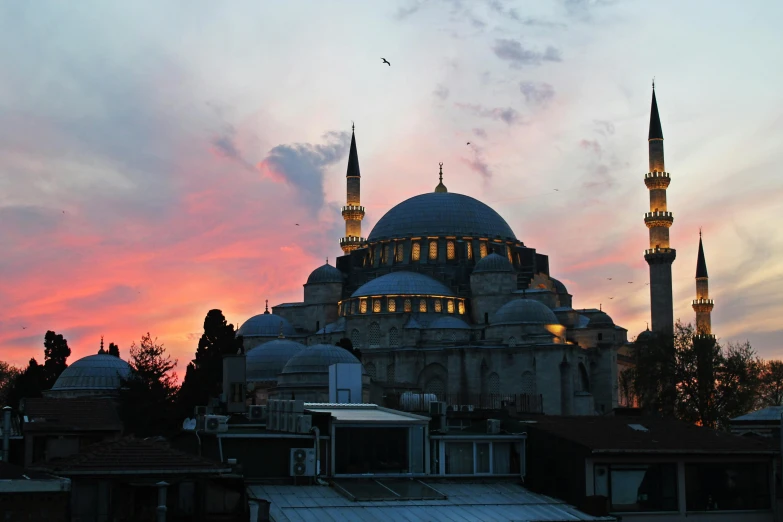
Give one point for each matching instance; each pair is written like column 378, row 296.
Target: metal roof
column 501, row 501
column 265, row 325
column 94, row 372
column 366, row 413
column 317, row 359
column 770, row 413
column 403, row 283
column 493, row 263
column 441, row 214
column 524, row 311
column 265, row 361
column 325, row 274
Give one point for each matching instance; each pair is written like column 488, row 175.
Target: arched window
column 353, row 307
column 437, row 387
column 363, row 306
column 376, row 305
column 415, row 251
column 528, row 384
column 387, row 256
column 398, row 256
column 483, row 249
column 450, row 306
column 493, row 384
column 356, row 338
column 512, row 341
column 438, row 306
column 394, row 337
column 510, row 257
column 407, row 306
column 584, row 380
column 462, row 307
column 371, row 371
column 391, row 304
column 390, row 373
column 470, row 249
column 451, row 252
column 422, row 305
column 433, row 250
column 453, row 336
column 374, row 335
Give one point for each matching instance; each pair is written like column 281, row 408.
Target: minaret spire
column 660, row 255
column 702, row 305
column 266, row 306
column 353, row 212
column 441, row 187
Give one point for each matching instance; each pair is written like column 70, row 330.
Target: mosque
column 443, row 298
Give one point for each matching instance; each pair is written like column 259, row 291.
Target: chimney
column 6, row 432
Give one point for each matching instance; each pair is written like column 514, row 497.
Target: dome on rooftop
column 403, row 283
column 448, row 322
column 601, row 320
column 441, row 214
column 93, row 373
column 493, row 263
column 560, row 288
column 265, row 325
column 266, row 361
column 524, row 311
column 325, row 274
column 317, row 359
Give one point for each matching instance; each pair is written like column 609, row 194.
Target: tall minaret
column 660, row 255
column 702, row 305
column 353, row 212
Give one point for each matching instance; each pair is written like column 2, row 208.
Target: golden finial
column 441, row 187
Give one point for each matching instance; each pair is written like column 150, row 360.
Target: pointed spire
column 655, row 120
column 266, row 306
column 353, row 157
column 441, row 187
column 701, row 264
column 101, row 351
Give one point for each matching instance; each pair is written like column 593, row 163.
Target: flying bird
column 611, row 298
column 630, row 282
column 609, row 278
column 385, row 61
column 24, row 328
column 468, row 143
column 297, row 224
column 557, row 190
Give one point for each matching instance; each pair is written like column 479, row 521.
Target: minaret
column 353, row 212
column 441, row 187
column 660, row 255
column 702, row 305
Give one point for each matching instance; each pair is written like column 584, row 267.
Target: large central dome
column 441, row 214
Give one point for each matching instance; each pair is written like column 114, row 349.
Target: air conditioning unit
column 215, row 423
column 297, row 406
column 257, row 413
column 293, row 422
column 437, row 408
column 305, row 423
column 493, row 426
column 274, row 405
column 302, row 462
column 466, row 407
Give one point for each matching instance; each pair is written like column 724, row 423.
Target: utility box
column 345, row 383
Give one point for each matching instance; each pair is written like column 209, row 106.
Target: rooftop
column 70, row 415
column 365, row 414
column 403, row 283
column 94, row 372
column 768, row 414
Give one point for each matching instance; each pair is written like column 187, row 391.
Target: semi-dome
column 493, row 263
column 325, row 274
column 93, row 373
column 644, row 337
column 441, row 214
column 317, row 359
column 266, row 361
column 265, row 325
column 450, row 323
column 601, row 320
column 403, row 283
column 524, row 311
column 560, row 288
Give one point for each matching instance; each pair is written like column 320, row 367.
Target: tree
column 114, row 350
column 347, row 344
column 738, row 382
column 8, row 373
column 56, row 353
column 204, row 374
column 147, row 395
column 772, row 383
column 29, row 383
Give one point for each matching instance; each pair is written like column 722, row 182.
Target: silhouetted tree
column 772, row 383
column 204, row 374
column 114, row 350
column 56, row 353
column 29, row 383
column 348, row 345
column 147, row 395
column 8, row 373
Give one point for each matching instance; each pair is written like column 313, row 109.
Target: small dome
column 524, row 311
column 448, row 322
column 644, row 337
column 335, row 327
column 560, row 288
column 325, row 274
column 317, row 359
column 266, row 361
column 600, row 320
column 493, row 263
column 94, row 372
column 403, row 283
column 265, row 325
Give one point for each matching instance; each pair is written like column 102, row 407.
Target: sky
column 156, row 158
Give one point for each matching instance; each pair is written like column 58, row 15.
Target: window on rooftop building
column 638, row 487
column 407, row 306
column 394, row 337
column 415, row 251
column 727, row 486
column 356, row 338
column 470, row 249
column 374, row 334
column 398, row 256
column 422, row 305
column 450, row 306
column 353, row 307
column 462, row 307
column 451, row 251
column 483, row 249
column 376, row 305
column 438, row 306
column 388, row 252
column 362, row 306
column 476, row 457
column 391, row 304
column 433, row 250
column 510, row 258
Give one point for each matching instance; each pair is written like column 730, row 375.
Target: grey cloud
column 592, row 146
column 519, row 56
column 481, row 133
column 478, row 165
column 411, row 9
column 302, row 165
column 441, row 91
column 584, row 9
column 512, row 14
column 506, row 114
column 224, row 146
column 538, row 94
column 604, row 127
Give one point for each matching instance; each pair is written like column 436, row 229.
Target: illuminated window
column 391, row 305
column 422, row 305
column 483, row 249
column 470, row 249
column 510, row 259
column 376, row 305
column 374, row 335
column 462, row 307
column 353, row 307
column 372, row 255
column 450, row 250
column 407, row 307
column 394, row 337
column 390, row 373
column 433, row 250
column 398, row 257
column 438, row 306
column 450, row 306
column 363, row 306
column 387, row 256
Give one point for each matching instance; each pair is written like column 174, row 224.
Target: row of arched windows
column 396, row 252
column 374, row 336
column 423, row 305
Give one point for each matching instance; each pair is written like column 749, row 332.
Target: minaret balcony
column 658, row 219
column 660, row 255
column 703, row 305
column 352, row 240
column 657, row 180
column 353, row 212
